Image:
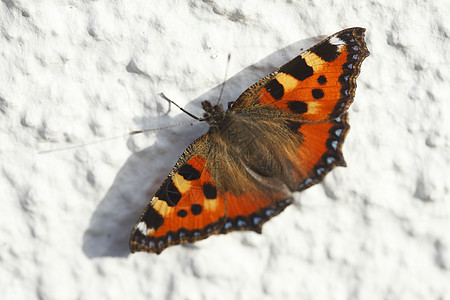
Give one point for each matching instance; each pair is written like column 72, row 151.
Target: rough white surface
column 74, row 72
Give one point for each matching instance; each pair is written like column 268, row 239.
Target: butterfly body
column 283, row 134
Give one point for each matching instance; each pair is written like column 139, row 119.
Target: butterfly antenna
column 161, row 128
column 82, row 145
column 224, row 79
column 182, row 109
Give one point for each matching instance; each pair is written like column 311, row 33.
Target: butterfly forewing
column 186, row 208
column 317, row 85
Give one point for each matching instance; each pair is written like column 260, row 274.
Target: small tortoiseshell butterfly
column 282, row 135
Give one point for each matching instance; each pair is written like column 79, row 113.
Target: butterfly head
column 214, row 114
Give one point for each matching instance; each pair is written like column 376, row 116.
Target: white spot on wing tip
column 337, row 42
column 143, row 228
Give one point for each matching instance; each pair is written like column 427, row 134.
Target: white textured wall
column 74, row 72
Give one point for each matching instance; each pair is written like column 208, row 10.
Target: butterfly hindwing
column 317, row 85
column 251, row 210
column 321, row 149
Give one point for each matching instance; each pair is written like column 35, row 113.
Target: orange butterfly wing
column 187, row 207
column 321, row 149
column 317, row 85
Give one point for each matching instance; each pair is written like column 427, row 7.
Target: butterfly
column 283, row 134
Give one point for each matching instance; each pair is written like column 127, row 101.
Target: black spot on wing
column 196, row 209
column 152, row 219
column 297, row 107
column 182, row 213
column 275, row 89
column 294, row 126
column 318, row 93
column 297, row 68
column 326, row 51
column 188, row 172
column 321, row 80
column 209, row 191
column 169, row 193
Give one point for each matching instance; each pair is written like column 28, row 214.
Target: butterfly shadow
column 136, row 182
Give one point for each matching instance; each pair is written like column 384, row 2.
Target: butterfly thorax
column 214, row 114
